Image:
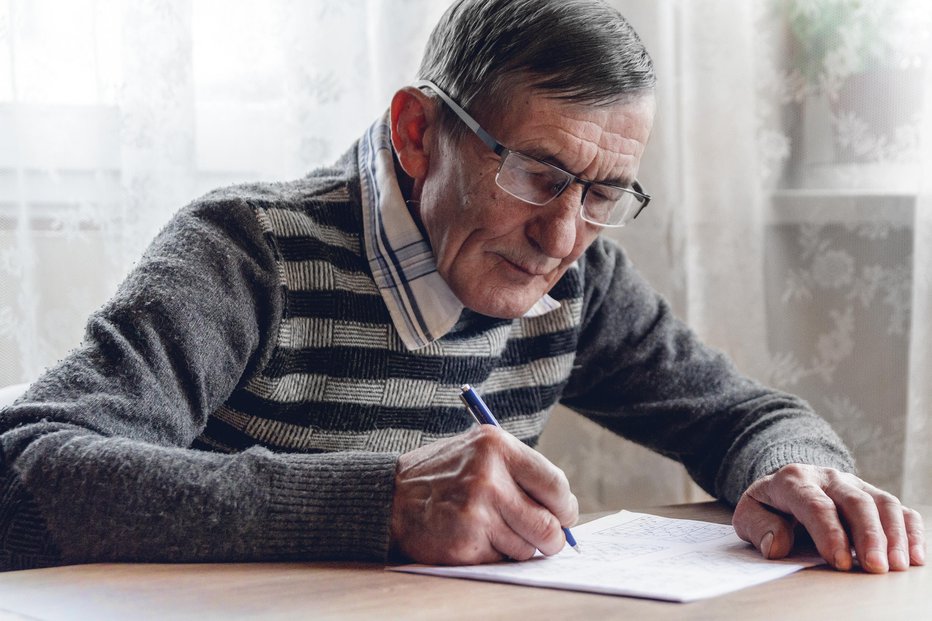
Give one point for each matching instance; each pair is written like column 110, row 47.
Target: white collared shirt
column 422, row 306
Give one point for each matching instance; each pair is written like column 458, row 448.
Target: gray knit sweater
column 244, row 395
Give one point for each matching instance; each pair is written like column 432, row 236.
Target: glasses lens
column 532, row 181
column 538, row 183
column 611, row 206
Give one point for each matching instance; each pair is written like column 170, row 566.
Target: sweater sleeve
column 95, row 459
column 643, row 374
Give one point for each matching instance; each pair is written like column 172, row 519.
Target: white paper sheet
column 640, row 555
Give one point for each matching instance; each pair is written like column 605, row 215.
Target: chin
column 492, row 293
column 503, row 305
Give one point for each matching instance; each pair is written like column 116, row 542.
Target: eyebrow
column 545, row 156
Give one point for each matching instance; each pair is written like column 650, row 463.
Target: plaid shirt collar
column 422, row 306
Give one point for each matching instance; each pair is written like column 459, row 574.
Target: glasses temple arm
column 464, row 116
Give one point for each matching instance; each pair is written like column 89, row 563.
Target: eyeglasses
column 536, row 182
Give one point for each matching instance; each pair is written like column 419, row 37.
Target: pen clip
column 469, row 409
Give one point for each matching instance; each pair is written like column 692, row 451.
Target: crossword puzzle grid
column 679, row 531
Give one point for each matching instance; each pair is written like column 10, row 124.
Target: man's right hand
column 479, row 497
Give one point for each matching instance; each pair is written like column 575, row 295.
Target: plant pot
column 875, row 116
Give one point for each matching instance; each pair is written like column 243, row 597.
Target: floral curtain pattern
column 790, row 225
column 115, row 114
column 853, row 104
column 796, row 205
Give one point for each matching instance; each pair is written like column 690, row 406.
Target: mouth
column 525, row 270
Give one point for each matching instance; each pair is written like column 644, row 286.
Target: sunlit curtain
column 114, row 114
column 792, row 159
column 791, row 223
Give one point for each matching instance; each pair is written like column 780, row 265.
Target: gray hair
column 582, row 51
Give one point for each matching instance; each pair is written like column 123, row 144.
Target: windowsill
column 892, row 206
column 803, row 193
column 856, row 179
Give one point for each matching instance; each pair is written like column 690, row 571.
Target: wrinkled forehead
column 598, row 141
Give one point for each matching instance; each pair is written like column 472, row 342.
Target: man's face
column 497, row 253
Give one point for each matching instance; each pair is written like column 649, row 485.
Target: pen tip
column 464, row 387
column 576, row 547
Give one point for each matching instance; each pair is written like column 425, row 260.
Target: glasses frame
column 502, row 151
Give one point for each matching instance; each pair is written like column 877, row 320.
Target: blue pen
column 480, row 411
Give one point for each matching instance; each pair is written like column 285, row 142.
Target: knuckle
column 542, row 526
column 874, row 537
column 816, row 497
column 572, row 513
column 853, row 497
column 869, row 530
column 886, row 500
column 913, row 518
column 487, row 438
column 836, row 538
column 822, row 507
column 792, row 472
column 835, row 476
column 554, row 479
column 828, row 533
column 558, row 480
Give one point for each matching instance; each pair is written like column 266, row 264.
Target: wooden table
column 270, row 591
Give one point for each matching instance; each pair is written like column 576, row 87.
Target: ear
column 412, row 115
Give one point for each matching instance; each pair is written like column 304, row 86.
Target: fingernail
column 766, row 543
column 899, row 560
column 918, row 553
column 876, row 560
column 842, row 560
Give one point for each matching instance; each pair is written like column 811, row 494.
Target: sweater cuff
column 334, row 506
column 781, row 455
column 814, row 452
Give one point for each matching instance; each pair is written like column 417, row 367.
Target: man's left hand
column 839, row 511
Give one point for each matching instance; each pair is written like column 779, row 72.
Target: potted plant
column 864, row 58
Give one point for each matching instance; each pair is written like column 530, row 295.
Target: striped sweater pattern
column 340, row 379
column 253, row 330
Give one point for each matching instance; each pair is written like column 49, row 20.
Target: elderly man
column 279, row 376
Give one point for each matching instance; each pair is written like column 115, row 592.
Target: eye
column 597, row 194
column 603, row 194
column 547, row 179
column 541, row 179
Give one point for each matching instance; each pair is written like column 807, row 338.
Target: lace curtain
column 792, row 152
column 791, row 223
column 114, row 114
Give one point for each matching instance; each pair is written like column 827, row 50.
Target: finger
column 467, row 541
column 893, row 522
column 915, row 532
column 793, row 493
column 532, row 522
column 861, row 513
column 770, row 532
column 511, row 545
column 543, row 481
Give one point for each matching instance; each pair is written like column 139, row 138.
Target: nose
column 554, row 228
